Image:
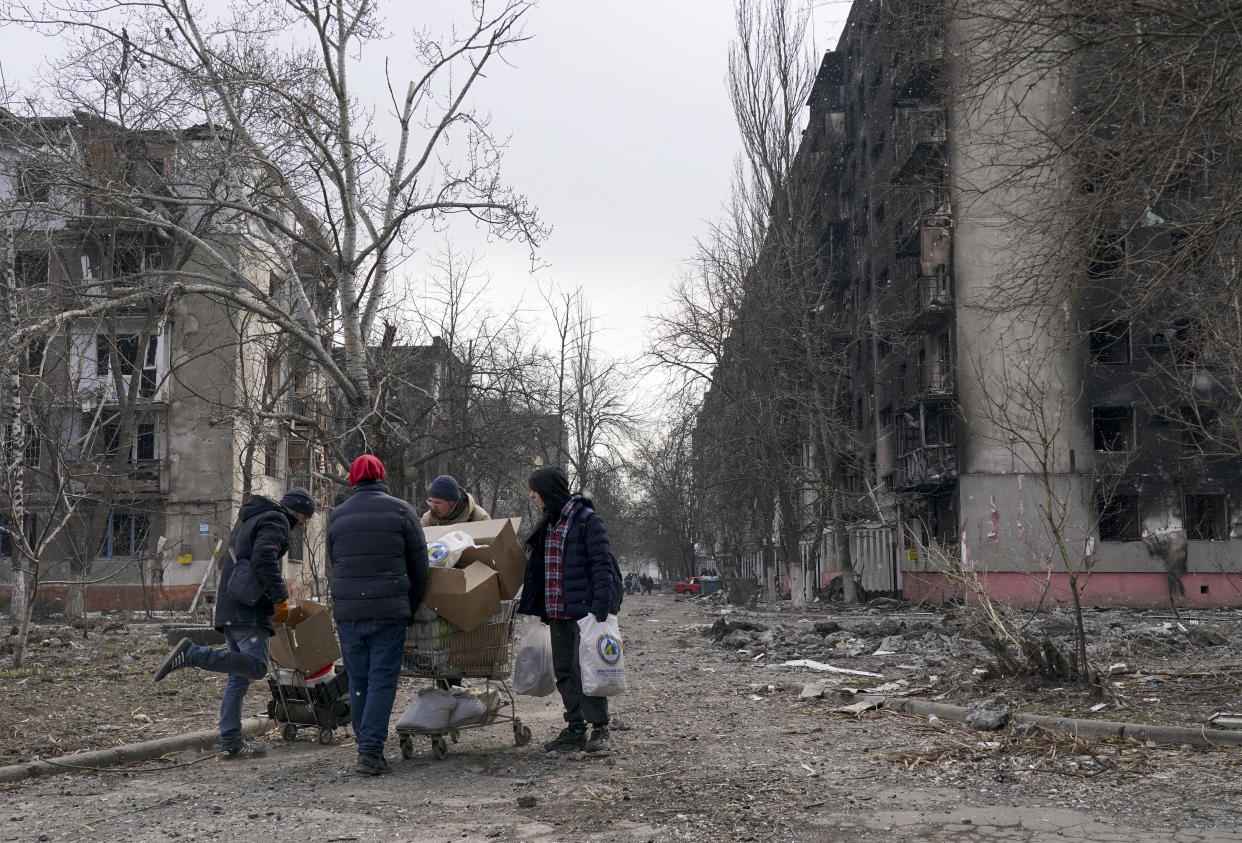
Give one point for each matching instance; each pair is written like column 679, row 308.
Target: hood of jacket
column 256, row 505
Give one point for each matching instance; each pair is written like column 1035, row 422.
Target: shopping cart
column 436, row 650
column 317, row 702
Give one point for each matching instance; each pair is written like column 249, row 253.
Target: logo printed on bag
column 609, row 649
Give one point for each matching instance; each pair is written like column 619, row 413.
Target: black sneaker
column 176, row 659
column 372, row 765
column 244, row 751
column 572, row 737
column 600, row 740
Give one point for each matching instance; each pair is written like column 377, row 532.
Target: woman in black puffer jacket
column 571, row 573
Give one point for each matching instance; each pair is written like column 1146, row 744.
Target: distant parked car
column 690, row 585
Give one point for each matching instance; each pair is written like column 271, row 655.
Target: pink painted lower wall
column 1208, row 590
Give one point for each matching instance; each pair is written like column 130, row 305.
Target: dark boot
column 600, row 740
column 571, row 737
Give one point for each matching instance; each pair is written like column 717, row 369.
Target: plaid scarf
column 554, row 560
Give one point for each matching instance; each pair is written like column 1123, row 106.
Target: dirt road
column 712, row 747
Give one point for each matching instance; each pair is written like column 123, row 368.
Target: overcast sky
column 621, row 134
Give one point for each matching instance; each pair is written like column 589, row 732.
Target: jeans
column 372, row 651
column 578, row 706
column 244, row 660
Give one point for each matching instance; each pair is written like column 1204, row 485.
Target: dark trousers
column 579, row 708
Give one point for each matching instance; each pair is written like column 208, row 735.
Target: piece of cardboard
column 306, row 641
column 465, row 597
column 499, row 549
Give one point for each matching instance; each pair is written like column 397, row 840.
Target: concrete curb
column 144, row 751
column 1200, row 737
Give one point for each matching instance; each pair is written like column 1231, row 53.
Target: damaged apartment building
column 137, row 423
column 1012, row 428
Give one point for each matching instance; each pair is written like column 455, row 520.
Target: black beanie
column 298, row 499
column 552, row 485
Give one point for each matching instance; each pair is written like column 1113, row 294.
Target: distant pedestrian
column 647, row 582
column 261, row 535
column 378, row 558
column 571, row 573
column 450, row 504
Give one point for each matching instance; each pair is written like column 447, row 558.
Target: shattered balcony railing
column 927, row 466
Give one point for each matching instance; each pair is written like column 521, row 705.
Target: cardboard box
column 305, row 642
column 500, row 549
column 465, row 597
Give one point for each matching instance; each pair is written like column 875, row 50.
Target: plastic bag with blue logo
column 446, row 550
column 601, row 657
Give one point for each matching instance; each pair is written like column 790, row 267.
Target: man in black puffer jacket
column 571, row 573
column 379, row 572
column 262, row 536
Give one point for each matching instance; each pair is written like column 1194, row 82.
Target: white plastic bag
column 533, row 674
column 446, row 550
column 430, row 711
column 600, row 657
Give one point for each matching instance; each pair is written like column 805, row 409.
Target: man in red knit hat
column 379, row 571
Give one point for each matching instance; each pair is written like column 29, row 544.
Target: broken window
column 270, row 462
column 127, row 353
column 1206, row 517
column 30, row 267
column 144, row 442
column 34, row 184
column 127, row 534
column 1113, row 428
column 30, row 524
column 35, row 351
column 1110, row 342
column 1183, row 338
column 1107, row 257
column 1119, row 517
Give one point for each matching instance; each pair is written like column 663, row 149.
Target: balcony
column 143, row 477
column 919, row 136
column 935, row 383
column 926, row 468
column 931, row 298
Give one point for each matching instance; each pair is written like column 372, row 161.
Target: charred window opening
column 144, row 442
column 1107, row 257
column 1193, row 428
column 30, row 268
column 1113, row 428
column 1110, row 342
column 1182, row 338
column 34, row 184
column 1119, row 517
column 1207, row 517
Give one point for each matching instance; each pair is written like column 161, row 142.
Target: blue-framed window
column 127, row 534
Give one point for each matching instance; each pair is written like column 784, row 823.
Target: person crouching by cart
column 568, row 576
column 378, row 558
column 261, row 536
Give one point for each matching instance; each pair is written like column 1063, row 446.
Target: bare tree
column 287, row 157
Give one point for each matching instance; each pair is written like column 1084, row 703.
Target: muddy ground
column 716, row 743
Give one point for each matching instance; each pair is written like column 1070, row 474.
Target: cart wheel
column 407, row 747
column 289, row 732
column 439, row 748
column 521, row 734
column 325, row 736
column 453, row 736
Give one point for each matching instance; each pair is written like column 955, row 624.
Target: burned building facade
column 1022, row 422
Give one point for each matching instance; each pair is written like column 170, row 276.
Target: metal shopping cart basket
column 437, row 650
column 317, row 702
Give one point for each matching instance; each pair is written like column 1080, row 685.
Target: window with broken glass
column 1113, row 428
column 1206, row 517
column 1119, row 517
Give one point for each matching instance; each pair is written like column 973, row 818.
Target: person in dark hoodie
column 571, row 573
column 378, row 556
column 262, row 536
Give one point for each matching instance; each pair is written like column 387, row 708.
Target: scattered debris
column 988, row 715
column 826, row 668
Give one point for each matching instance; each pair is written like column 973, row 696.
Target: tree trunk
column 75, row 599
column 771, row 576
column 30, row 590
column 19, row 598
